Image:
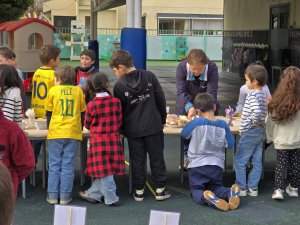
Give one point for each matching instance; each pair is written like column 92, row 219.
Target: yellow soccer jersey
column 66, row 102
column 42, row 81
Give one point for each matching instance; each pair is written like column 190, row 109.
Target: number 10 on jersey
column 67, row 107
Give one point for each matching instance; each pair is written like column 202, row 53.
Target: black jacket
column 143, row 103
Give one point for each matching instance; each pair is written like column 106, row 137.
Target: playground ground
column 252, row 211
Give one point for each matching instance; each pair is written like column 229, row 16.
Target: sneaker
column 234, row 200
column 292, row 192
column 65, row 201
column 115, row 204
column 252, row 192
column 162, row 194
column 84, row 195
column 243, row 193
column 52, row 201
column 138, row 195
column 219, row 203
column 278, row 194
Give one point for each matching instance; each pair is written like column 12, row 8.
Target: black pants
column 36, row 145
column 285, row 158
column 138, row 148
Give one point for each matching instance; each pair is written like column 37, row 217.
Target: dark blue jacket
column 188, row 87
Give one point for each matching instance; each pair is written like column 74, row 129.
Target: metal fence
column 150, row 32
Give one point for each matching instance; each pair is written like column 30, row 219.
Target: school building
column 173, row 27
column 267, row 30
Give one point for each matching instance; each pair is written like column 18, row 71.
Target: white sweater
column 285, row 136
column 11, row 103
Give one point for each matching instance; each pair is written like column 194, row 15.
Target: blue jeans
column 250, row 147
column 62, row 158
column 106, row 187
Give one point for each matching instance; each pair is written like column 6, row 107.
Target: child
column 7, row 56
column 6, row 196
column 144, row 115
column 64, row 106
column 282, row 128
column 209, row 138
column 105, row 157
column 252, row 131
column 86, row 68
column 42, row 81
column 11, row 93
column 244, row 90
column 15, row 151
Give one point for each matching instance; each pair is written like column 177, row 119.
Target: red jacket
column 15, row 151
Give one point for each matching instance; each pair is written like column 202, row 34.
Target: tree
column 13, row 9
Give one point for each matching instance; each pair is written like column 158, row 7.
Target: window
column 178, row 26
column 279, row 17
column 35, row 41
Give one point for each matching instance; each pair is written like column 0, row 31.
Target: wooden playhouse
column 25, row 37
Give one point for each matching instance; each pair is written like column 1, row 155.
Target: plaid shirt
column 106, row 156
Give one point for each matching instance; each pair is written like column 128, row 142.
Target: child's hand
column 192, row 113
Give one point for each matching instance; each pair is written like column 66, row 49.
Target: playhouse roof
column 14, row 25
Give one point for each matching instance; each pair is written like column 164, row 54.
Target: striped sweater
column 254, row 111
column 11, row 104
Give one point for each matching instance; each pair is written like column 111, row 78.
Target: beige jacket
column 284, row 136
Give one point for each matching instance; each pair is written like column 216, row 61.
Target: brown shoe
column 234, row 200
column 213, row 200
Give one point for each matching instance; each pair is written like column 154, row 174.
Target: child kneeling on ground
column 209, row 137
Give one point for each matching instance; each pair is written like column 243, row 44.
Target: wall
column 158, row 47
column 60, row 8
column 255, row 14
column 106, row 18
column 150, row 8
column 28, row 59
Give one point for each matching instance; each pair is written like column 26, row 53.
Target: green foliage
column 13, row 9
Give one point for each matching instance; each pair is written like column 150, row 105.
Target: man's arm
column 160, row 99
column 182, row 91
column 118, row 95
column 213, row 81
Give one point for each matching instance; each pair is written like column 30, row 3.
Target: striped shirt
column 254, row 111
column 11, row 103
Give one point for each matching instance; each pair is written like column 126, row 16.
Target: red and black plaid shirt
column 106, row 156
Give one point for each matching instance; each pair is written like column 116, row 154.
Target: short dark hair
column 7, row 53
column 258, row 73
column 90, row 53
column 121, row 57
column 97, row 82
column 48, row 52
column 66, row 75
column 6, row 196
column 197, row 56
column 204, row 102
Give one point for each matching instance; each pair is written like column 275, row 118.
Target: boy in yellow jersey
column 65, row 107
column 42, row 81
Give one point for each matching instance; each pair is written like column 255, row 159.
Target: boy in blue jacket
column 206, row 153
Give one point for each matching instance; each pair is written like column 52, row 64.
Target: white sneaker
column 253, row 192
column 292, row 192
column 278, row 194
column 243, row 193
